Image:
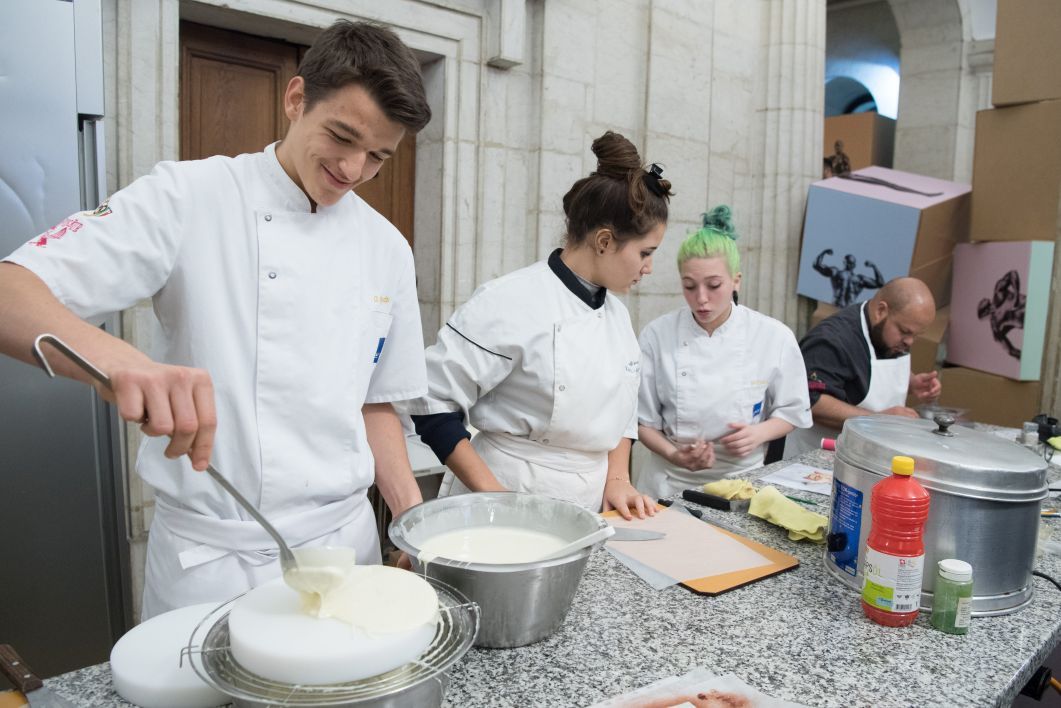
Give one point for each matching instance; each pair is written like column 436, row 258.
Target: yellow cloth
column 773, row 506
column 730, row 489
column 1055, row 442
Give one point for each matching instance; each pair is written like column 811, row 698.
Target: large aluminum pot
column 520, row 603
column 986, row 495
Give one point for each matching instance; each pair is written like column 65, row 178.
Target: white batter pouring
column 375, row 599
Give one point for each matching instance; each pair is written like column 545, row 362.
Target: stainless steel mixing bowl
column 521, row 603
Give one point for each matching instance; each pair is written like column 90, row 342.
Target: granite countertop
column 800, row 635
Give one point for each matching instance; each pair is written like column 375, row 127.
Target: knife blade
column 22, row 676
column 625, row 534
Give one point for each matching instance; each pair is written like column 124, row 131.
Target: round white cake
column 390, row 616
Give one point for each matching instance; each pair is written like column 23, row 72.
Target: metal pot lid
column 950, row 459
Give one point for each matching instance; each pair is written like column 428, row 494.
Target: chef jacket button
column 563, row 388
column 684, row 373
column 545, row 441
column 272, row 276
column 268, row 217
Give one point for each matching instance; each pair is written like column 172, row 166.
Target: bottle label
column 846, row 519
column 964, row 614
column 892, row 583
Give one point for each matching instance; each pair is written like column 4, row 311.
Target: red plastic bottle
column 895, row 549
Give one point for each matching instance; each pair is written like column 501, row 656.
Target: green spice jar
column 952, row 598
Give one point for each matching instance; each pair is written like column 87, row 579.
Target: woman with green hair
column 718, row 380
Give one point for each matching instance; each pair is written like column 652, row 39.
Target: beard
column 883, row 351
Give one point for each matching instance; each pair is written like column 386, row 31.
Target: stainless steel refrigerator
column 64, row 570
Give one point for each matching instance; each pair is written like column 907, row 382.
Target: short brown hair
column 620, row 194
column 370, row 56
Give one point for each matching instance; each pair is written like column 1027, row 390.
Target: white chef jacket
column 694, row 384
column 549, row 382
column 300, row 318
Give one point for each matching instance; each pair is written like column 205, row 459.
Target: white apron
column 889, row 381
column 715, row 387
column 194, row 558
column 590, row 411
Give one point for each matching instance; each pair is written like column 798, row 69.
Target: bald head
column 903, row 294
column 899, row 312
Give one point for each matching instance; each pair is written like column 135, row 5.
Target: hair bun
column 720, row 219
column 617, row 157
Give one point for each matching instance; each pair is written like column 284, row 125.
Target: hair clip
column 652, row 176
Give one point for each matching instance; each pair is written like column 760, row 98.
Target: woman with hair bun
column 544, row 361
column 718, row 380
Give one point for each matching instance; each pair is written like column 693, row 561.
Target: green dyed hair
column 717, row 238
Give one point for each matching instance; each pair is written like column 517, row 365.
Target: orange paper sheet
column 692, row 548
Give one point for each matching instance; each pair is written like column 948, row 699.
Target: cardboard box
column 869, row 138
column 821, row 312
column 1017, row 173
column 928, row 350
column 999, row 305
column 987, row 398
column 1027, row 52
column 850, row 225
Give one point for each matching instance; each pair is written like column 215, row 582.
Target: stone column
column 930, row 65
column 975, row 96
column 787, row 158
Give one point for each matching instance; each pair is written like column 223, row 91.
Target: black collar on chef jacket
column 571, row 281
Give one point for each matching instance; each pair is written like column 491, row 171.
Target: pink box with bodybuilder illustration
column 999, row 305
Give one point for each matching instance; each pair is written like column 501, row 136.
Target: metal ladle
column 300, row 579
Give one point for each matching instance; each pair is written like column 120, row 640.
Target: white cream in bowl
column 494, row 545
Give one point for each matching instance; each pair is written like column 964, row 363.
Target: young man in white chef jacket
column 290, row 324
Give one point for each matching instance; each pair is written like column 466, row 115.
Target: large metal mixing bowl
column 521, row 603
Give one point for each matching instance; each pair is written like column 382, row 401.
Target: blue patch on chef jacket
column 757, row 409
column 379, row 349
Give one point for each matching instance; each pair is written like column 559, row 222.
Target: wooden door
column 232, row 86
column 391, row 192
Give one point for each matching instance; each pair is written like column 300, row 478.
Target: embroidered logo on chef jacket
column 633, row 367
column 57, row 232
column 757, row 412
column 379, row 349
column 103, row 209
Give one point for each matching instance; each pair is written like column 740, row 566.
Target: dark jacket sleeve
column 441, row 432
column 828, row 369
column 837, row 357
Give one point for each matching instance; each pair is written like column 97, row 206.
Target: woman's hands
column 620, row 494
column 695, row 456
column 744, row 439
